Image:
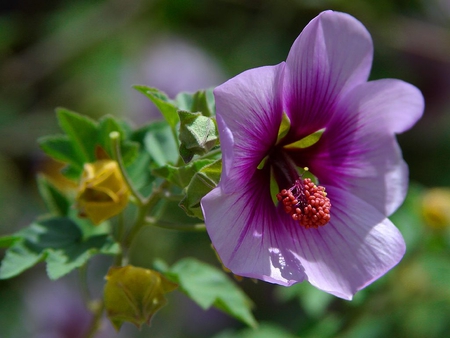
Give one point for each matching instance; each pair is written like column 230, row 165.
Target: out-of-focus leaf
column 209, row 286
column 60, row 147
column 264, row 330
column 60, row 242
column 56, row 202
column 7, row 241
column 81, row 130
column 314, row 301
column 160, row 144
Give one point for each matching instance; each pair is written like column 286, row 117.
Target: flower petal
column 332, row 55
column 359, row 152
column 358, row 246
column 248, row 235
column 249, row 115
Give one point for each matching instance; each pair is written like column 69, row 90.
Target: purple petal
column 248, row 235
column 249, row 114
column 359, row 152
column 332, row 55
column 358, row 246
column 390, row 105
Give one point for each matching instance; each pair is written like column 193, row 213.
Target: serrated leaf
column 167, row 108
column 208, row 286
column 60, row 147
column 181, row 176
column 81, row 130
column 60, row 262
column 19, row 258
column 54, row 199
column 202, row 183
column 198, row 134
column 60, row 242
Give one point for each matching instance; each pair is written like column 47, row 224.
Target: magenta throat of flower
column 306, row 203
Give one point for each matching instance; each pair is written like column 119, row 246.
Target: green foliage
column 82, row 137
column 160, row 143
column 182, row 176
column 57, row 203
column 60, row 242
column 201, row 101
column 167, row 107
column 209, row 286
column 264, row 330
column 202, row 182
column 198, row 134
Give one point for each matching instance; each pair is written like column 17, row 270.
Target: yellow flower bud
column 102, row 192
column 436, row 208
column 134, row 294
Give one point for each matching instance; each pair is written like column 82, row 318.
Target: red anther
column 307, row 203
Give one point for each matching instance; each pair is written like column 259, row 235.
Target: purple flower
column 350, row 147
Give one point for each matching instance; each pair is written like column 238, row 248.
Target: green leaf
column 307, row 141
column 7, row 241
column 209, row 286
column 60, row 147
column 181, row 176
column 168, row 214
column 264, row 330
column 202, row 183
column 129, row 150
column 60, row 242
column 202, row 101
column 54, row 199
column 63, row 260
column 198, row 134
column 167, row 108
column 81, row 130
column 19, row 258
column 160, row 144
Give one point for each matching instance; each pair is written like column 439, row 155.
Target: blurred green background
column 85, row 56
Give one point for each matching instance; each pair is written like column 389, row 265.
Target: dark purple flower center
column 306, row 203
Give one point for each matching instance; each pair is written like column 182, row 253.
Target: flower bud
column 102, row 192
column 436, row 208
column 134, row 294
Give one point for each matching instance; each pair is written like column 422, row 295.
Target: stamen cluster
column 307, row 203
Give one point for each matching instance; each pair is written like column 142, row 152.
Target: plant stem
column 115, row 139
column 148, row 204
column 97, row 308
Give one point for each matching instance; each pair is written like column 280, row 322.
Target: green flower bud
column 134, row 294
column 102, row 192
